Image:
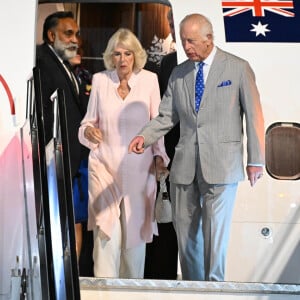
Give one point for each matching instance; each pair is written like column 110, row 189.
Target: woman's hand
column 160, row 168
column 93, row 134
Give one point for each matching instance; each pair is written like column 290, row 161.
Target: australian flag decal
column 265, row 21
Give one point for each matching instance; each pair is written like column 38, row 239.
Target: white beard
column 63, row 49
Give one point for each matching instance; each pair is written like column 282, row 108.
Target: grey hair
column 204, row 23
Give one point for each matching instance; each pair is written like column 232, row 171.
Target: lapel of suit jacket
column 72, row 76
column 190, row 83
column 66, row 75
column 214, row 74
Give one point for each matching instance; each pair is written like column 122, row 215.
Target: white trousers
column 111, row 259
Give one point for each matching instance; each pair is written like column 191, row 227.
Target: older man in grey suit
column 208, row 161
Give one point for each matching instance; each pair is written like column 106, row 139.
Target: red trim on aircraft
column 9, row 95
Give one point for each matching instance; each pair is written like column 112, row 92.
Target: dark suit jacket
column 167, row 64
column 54, row 76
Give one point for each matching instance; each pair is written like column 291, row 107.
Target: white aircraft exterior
column 264, row 245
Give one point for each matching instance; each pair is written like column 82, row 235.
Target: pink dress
column 113, row 173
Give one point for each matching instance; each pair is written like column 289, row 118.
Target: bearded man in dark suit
column 60, row 35
column 61, row 38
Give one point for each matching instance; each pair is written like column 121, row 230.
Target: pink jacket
column 113, row 173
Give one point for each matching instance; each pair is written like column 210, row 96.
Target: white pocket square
column 225, row 83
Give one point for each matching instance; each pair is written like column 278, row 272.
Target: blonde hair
column 127, row 39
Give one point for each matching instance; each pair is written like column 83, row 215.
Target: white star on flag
column 260, row 29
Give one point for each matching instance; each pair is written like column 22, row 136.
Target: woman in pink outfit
column 122, row 187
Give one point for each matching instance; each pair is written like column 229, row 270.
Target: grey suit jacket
column 230, row 101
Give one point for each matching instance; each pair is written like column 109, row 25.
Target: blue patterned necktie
column 199, row 86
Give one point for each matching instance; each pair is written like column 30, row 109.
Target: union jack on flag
column 261, row 20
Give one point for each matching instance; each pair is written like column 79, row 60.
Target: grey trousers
column 202, row 215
